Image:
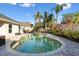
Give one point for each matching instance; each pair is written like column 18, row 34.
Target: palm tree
column 68, row 18
column 38, row 23
column 50, row 20
column 45, row 18
column 76, row 17
column 38, row 17
column 58, row 8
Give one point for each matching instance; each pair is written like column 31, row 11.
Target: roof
column 8, row 19
column 28, row 24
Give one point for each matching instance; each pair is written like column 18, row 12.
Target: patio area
column 71, row 49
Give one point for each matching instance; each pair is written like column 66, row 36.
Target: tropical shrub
column 69, row 34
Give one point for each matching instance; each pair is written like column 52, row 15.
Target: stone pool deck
column 71, row 49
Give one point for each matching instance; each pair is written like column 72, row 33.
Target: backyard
column 68, row 28
column 46, row 37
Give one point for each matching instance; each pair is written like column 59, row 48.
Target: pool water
column 37, row 44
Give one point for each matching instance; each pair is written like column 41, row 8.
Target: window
column 31, row 25
column 10, row 28
column 19, row 28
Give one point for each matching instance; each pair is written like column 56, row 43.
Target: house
column 28, row 27
column 9, row 27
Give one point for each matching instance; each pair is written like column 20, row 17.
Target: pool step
column 19, row 42
column 15, row 45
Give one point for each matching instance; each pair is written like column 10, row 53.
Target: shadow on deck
column 2, row 40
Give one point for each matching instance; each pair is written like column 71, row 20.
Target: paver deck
column 71, row 49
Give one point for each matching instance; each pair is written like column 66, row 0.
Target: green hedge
column 69, row 34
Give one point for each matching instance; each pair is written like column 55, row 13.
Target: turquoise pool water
column 37, row 44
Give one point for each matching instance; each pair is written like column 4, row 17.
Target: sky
column 24, row 12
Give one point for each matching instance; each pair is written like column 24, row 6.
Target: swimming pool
column 38, row 44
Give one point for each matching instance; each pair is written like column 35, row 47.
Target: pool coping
column 37, row 54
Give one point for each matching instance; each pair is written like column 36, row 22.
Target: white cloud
column 23, row 4
column 60, row 3
column 68, row 6
column 33, row 5
column 12, row 3
column 27, row 5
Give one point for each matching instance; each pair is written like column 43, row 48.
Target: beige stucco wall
column 28, row 28
column 4, row 30
column 21, row 29
column 15, row 29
